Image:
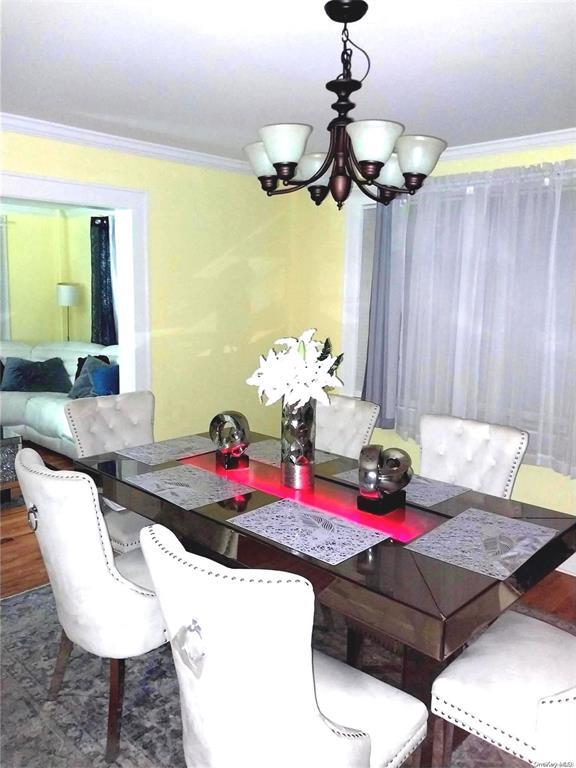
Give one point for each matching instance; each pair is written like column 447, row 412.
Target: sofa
column 39, row 416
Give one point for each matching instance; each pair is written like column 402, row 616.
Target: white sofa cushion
column 15, row 349
column 13, row 408
column 70, row 352
column 45, row 413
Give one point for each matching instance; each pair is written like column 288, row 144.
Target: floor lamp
column 67, row 295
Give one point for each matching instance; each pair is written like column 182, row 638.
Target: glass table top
column 415, row 595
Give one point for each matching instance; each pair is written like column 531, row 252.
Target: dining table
column 430, row 574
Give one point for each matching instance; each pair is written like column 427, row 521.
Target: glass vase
column 297, row 444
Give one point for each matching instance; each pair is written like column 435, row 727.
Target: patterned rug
column 70, row 732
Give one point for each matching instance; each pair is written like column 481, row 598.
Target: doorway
column 131, row 216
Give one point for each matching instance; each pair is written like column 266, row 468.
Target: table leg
column 420, row 671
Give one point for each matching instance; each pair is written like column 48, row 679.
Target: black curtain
column 103, row 323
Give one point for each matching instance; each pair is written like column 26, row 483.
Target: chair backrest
column 241, row 641
column 111, row 422
column 97, row 607
column 346, row 425
column 484, row 457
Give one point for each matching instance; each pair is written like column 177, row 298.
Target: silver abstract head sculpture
column 383, row 470
column 230, row 433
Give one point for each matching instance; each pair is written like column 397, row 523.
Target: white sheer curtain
column 488, row 305
column 5, row 325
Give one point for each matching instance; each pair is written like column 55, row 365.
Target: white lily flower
column 295, row 372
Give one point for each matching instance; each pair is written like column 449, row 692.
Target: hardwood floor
column 21, row 565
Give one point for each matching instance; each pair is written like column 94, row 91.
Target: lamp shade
column 419, row 154
column 309, row 165
column 373, row 140
column 67, row 294
column 285, row 142
column 391, row 175
column 259, row 160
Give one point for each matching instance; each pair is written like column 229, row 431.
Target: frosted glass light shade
column 419, row 154
column 373, row 140
column 285, row 142
column 67, row 294
column 391, row 175
column 259, row 160
column 309, row 165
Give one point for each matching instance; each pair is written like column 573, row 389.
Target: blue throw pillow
column 35, row 376
column 83, row 384
column 106, row 380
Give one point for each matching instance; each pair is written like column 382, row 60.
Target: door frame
column 130, row 207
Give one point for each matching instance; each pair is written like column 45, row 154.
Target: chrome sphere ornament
column 382, row 474
column 230, row 433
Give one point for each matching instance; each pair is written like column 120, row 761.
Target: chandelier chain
column 346, row 56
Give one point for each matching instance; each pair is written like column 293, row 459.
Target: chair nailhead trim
column 162, row 548
column 558, row 701
column 517, row 459
column 84, row 479
column 406, row 750
column 453, row 718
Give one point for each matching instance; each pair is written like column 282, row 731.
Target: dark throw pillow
column 1, row 371
column 106, row 380
column 35, row 376
column 83, row 385
column 82, row 360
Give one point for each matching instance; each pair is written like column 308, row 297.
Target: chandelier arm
column 293, row 186
column 364, row 191
column 352, row 167
column 398, row 190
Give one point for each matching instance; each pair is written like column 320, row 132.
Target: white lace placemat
column 169, row 450
column 420, row 490
column 189, row 487
column 322, row 535
column 268, row 452
column 483, row 542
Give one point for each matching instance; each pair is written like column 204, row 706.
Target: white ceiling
column 205, row 75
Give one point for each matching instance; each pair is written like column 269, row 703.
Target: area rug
column 71, row 731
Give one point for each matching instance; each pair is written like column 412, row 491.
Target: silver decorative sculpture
column 230, row 433
column 382, row 474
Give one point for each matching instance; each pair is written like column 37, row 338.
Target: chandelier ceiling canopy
column 375, row 155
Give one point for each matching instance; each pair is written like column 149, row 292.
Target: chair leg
column 64, row 651
column 117, row 669
column 354, row 641
column 447, row 743
column 442, row 753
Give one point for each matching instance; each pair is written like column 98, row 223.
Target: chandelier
column 375, row 155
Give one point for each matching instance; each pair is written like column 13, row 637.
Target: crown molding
column 515, row 144
column 33, row 127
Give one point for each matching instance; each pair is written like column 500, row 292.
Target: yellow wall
column 43, row 250
column 230, row 271
column 219, row 256
column 34, row 247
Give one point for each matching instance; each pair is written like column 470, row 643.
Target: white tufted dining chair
column 515, row 687
column 110, row 423
column 476, row 455
column 105, row 604
column 252, row 693
column 346, row 425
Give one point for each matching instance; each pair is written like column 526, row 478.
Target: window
column 473, row 306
